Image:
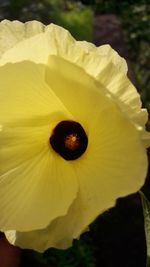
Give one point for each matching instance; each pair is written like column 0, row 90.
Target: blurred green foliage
column 73, row 16
column 78, row 22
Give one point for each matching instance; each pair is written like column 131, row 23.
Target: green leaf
column 146, row 213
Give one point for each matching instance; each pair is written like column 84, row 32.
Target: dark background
column 116, row 238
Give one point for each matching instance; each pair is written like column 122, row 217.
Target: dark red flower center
column 69, row 139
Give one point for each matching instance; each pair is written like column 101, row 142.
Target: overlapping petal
column 125, row 94
column 24, row 93
column 51, row 40
column 77, row 90
column 85, row 54
column 30, row 193
column 13, row 32
column 30, row 174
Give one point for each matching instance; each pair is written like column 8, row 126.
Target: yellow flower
column 72, row 134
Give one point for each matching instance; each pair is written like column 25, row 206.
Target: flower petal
column 123, row 90
column 77, row 90
column 58, row 234
column 53, row 40
column 29, row 175
column 35, row 41
column 36, row 192
column 25, row 94
column 13, row 32
column 94, row 59
column 19, row 144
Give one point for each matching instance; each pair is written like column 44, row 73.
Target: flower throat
column 69, row 139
